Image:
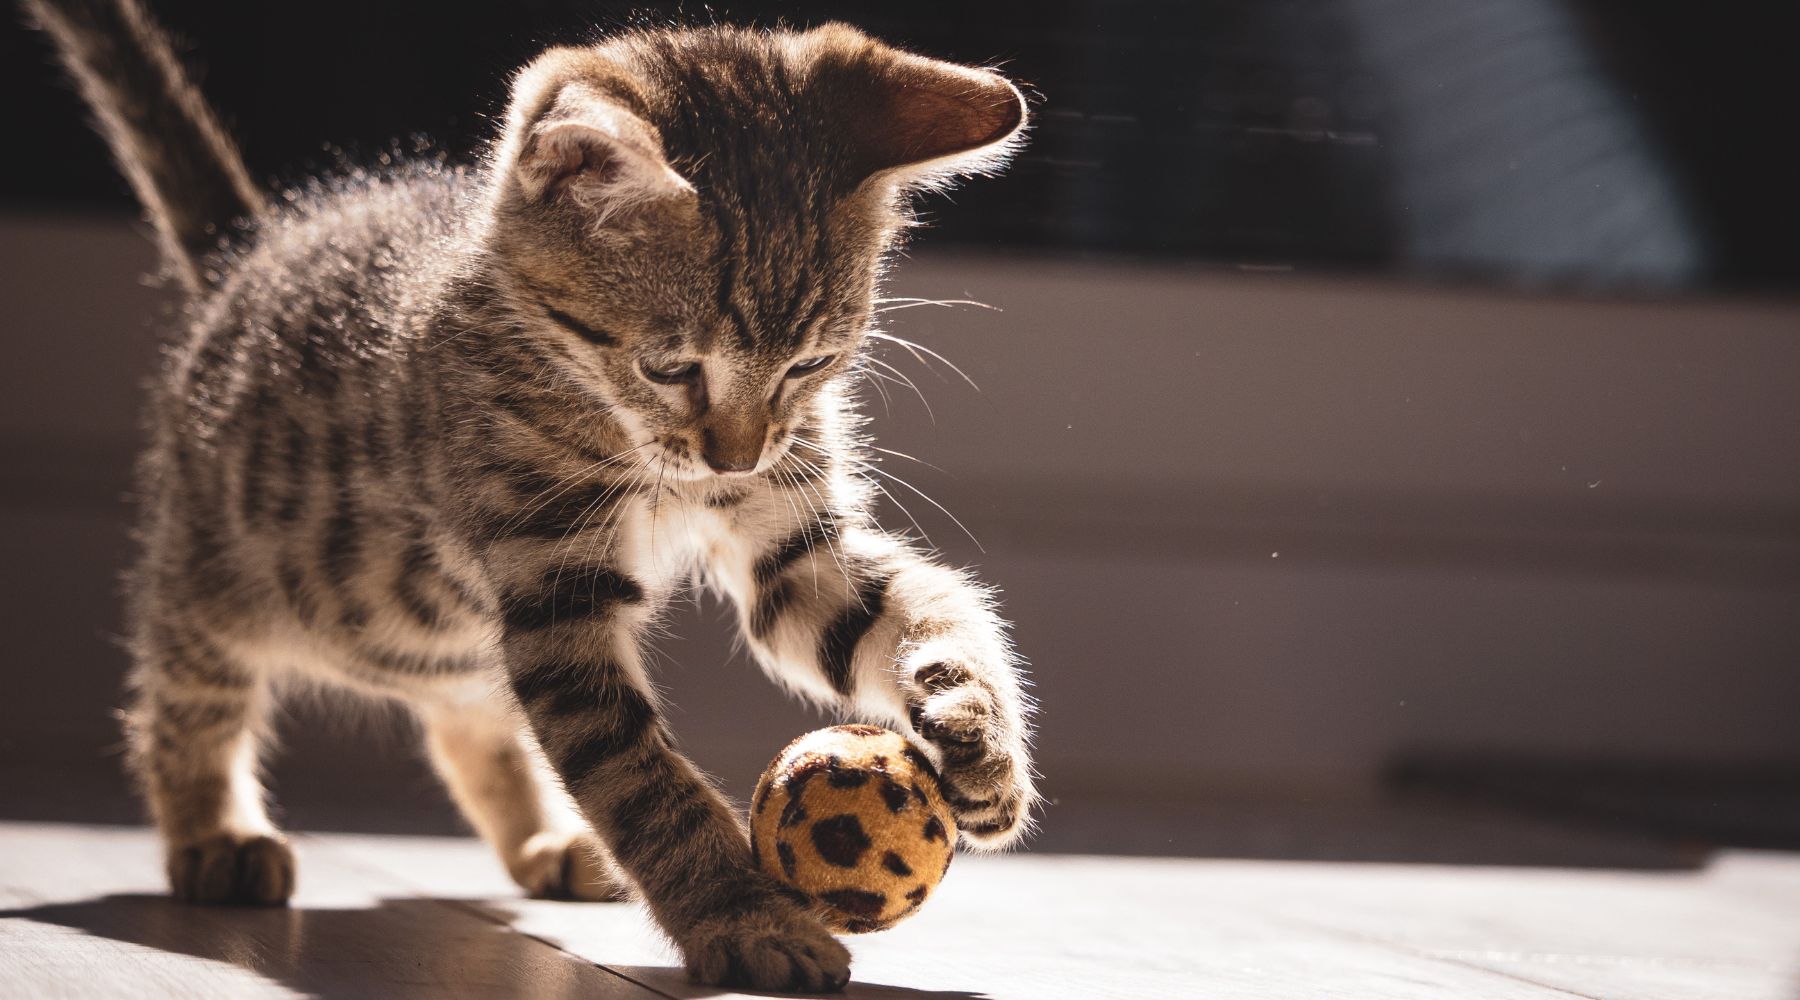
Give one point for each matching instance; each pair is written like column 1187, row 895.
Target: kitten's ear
column 920, row 120
column 590, row 149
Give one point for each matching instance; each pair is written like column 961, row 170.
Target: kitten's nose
column 728, row 454
column 730, row 465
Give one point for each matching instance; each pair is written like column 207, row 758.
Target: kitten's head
column 690, row 223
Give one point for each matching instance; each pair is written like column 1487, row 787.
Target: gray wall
column 1258, row 532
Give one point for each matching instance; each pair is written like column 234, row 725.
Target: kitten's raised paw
column 981, row 760
column 231, row 868
column 778, row 948
column 569, row 866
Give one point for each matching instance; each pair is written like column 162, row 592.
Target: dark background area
column 1385, row 443
column 1239, row 131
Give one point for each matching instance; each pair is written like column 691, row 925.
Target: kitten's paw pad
column 230, row 868
column 569, row 866
column 778, row 949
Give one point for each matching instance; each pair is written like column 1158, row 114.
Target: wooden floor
column 81, row 915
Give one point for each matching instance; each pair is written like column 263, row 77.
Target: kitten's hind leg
column 195, row 724
column 516, row 805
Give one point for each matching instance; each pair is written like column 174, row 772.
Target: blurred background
column 1385, row 435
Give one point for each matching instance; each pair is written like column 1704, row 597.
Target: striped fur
column 415, row 445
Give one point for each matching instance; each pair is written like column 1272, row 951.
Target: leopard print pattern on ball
column 852, row 816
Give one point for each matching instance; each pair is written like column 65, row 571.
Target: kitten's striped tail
column 183, row 167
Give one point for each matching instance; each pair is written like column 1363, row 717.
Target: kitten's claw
column 777, row 947
column 227, row 868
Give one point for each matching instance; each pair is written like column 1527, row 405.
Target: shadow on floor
column 399, row 949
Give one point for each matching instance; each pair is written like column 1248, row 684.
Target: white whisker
column 905, row 302
column 914, row 349
column 900, row 376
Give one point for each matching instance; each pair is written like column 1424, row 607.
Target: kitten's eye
column 809, row 365
column 670, row 373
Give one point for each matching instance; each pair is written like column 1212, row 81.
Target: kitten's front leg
column 572, row 658
column 864, row 619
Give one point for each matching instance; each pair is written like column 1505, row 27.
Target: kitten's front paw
column 569, row 866
column 776, row 946
column 983, row 766
column 230, row 868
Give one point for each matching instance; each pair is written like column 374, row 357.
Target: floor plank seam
column 477, row 911
column 469, row 907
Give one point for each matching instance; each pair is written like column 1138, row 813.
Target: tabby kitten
column 457, row 437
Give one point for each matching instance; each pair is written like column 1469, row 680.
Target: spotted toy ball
column 853, row 817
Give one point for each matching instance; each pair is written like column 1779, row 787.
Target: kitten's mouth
column 666, row 463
